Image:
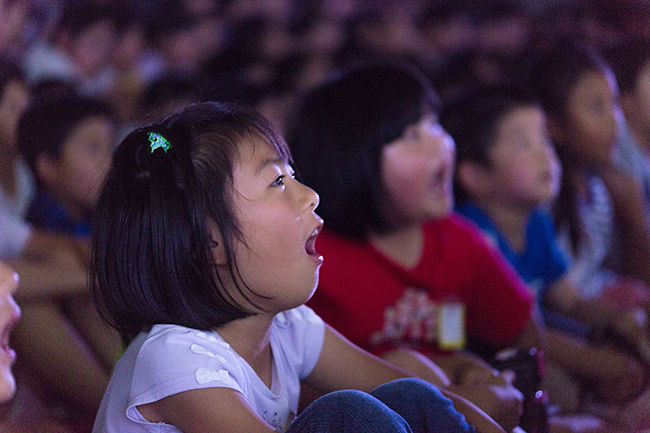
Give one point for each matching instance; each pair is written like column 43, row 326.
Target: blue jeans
column 404, row 405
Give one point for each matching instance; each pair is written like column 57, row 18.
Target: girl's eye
column 279, row 181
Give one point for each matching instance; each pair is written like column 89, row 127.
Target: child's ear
column 217, row 245
column 473, row 178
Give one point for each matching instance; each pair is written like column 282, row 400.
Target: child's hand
column 632, row 327
column 490, row 390
column 496, row 397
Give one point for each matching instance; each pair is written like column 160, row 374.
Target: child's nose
column 443, row 145
column 310, row 197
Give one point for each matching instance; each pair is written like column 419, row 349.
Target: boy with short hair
column 507, row 171
column 79, row 51
column 67, row 142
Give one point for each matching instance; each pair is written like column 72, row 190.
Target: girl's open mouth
column 310, row 245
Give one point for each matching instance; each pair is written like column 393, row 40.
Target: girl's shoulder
column 297, row 317
column 171, row 338
column 300, row 329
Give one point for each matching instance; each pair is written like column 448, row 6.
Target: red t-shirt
column 380, row 305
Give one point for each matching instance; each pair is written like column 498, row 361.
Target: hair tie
column 158, row 141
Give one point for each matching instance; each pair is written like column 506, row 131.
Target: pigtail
column 149, row 184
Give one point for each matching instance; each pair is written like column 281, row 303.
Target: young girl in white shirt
column 203, row 256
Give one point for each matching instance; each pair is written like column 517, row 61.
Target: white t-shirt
column 14, row 231
column 596, row 213
column 171, row 359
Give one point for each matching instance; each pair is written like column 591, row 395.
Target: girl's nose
column 311, row 198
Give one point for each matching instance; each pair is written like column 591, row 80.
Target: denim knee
column 349, row 411
column 422, row 405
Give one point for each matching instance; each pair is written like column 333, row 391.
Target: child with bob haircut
column 203, row 255
column 506, row 171
column 369, row 141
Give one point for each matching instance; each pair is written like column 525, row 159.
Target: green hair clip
column 158, row 141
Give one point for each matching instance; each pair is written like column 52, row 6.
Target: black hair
column 473, row 121
column 627, row 59
column 49, row 120
column 338, row 135
column 164, row 91
column 152, row 258
column 555, row 70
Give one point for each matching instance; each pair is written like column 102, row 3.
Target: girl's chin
column 441, row 210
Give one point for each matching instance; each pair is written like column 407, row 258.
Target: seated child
column 17, row 237
column 79, row 51
column 67, row 142
column 398, row 262
column 203, row 255
column 16, row 183
column 506, row 172
column 597, row 204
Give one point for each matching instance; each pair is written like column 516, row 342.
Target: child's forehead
column 519, row 117
column 254, row 151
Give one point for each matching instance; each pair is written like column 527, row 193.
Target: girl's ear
column 474, row 178
column 217, row 245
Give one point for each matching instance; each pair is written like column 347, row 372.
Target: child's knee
column 411, row 386
column 347, row 410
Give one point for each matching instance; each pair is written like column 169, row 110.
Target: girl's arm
column 342, row 365
column 60, row 274
column 630, row 216
column 207, row 410
column 628, row 324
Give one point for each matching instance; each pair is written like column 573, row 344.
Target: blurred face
column 12, row 105
column 9, row 316
column 417, row 173
column 276, row 215
column 524, row 169
column 591, row 119
column 93, row 48
column 76, row 177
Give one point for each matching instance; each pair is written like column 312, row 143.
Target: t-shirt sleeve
column 558, row 263
column 174, row 359
column 14, row 235
column 498, row 302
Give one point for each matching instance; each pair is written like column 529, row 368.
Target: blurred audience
column 145, row 59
